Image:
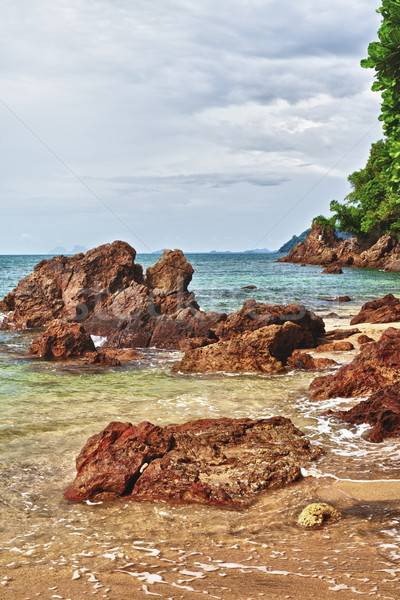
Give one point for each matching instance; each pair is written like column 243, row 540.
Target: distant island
column 61, row 250
column 292, row 243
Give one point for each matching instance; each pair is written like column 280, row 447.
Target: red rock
column 364, row 339
column 381, row 410
column 103, row 357
column 62, row 340
column 264, row 350
column 332, row 270
column 335, row 347
column 338, row 299
column 254, row 315
column 340, row 334
column 304, row 361
column 383, row 310
column 377, row 365
column 249, row 287
column 224, row 462
column 171, row 274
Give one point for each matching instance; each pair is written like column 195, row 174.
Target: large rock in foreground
column 381, row 411
column 264, row 350
column 377, row 365
column 223, row 462
column 383, row 310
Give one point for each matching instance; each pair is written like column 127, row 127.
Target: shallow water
column 132, row 550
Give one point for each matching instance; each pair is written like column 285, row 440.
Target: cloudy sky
column 197, row 124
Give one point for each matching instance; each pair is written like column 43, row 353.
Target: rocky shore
column 224, row 462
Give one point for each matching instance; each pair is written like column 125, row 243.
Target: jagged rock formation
column 108, row 294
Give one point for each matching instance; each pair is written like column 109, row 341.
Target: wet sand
column 262, row 553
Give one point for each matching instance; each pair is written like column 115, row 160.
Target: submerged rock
column 381, row 411
column 377, row 365
column 223, row 462
column 318, row 513
column 332, row 270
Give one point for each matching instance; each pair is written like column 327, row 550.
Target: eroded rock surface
column 223, row 462
column 377, row 365
column 264, row 350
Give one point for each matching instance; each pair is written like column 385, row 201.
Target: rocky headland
column 323, row 247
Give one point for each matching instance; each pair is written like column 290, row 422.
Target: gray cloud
column 189, row 111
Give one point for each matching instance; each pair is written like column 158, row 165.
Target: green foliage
column 325, row 222
column 373, row 206
column 384, row 57
column 371, row 209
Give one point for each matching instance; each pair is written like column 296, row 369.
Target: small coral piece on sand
column 318, row 513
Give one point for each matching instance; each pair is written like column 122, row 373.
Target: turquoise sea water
column 48, row 410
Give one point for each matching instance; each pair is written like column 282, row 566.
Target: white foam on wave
column 99, row 340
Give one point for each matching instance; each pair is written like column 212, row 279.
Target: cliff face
column 323, row 247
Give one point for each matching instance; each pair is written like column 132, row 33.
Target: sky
column 189, row 124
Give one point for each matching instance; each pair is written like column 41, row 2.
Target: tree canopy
column 373, row 206
column 384, row 57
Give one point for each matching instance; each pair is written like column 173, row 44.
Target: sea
column 50, row 548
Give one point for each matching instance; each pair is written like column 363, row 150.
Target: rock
column 171, row 274
column 103, row 357
column 381, row 411
column 319, row 241
column 62, row 340
column 223, row 462
column 254, row 315
column 383, row 310
column 106, row 290
column 340, row 334
column 72, row 287
column 304, row 361
column 380, row 250
column 364, row 339
column 264, row 350
column 315, row 515
column 335, row 347
column 393, row 264
column 377, row 365
column 332, row 270
column 338, row 299
column 323, row 247
column 249, row 287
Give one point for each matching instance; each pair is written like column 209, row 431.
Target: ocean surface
column 48, row 410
